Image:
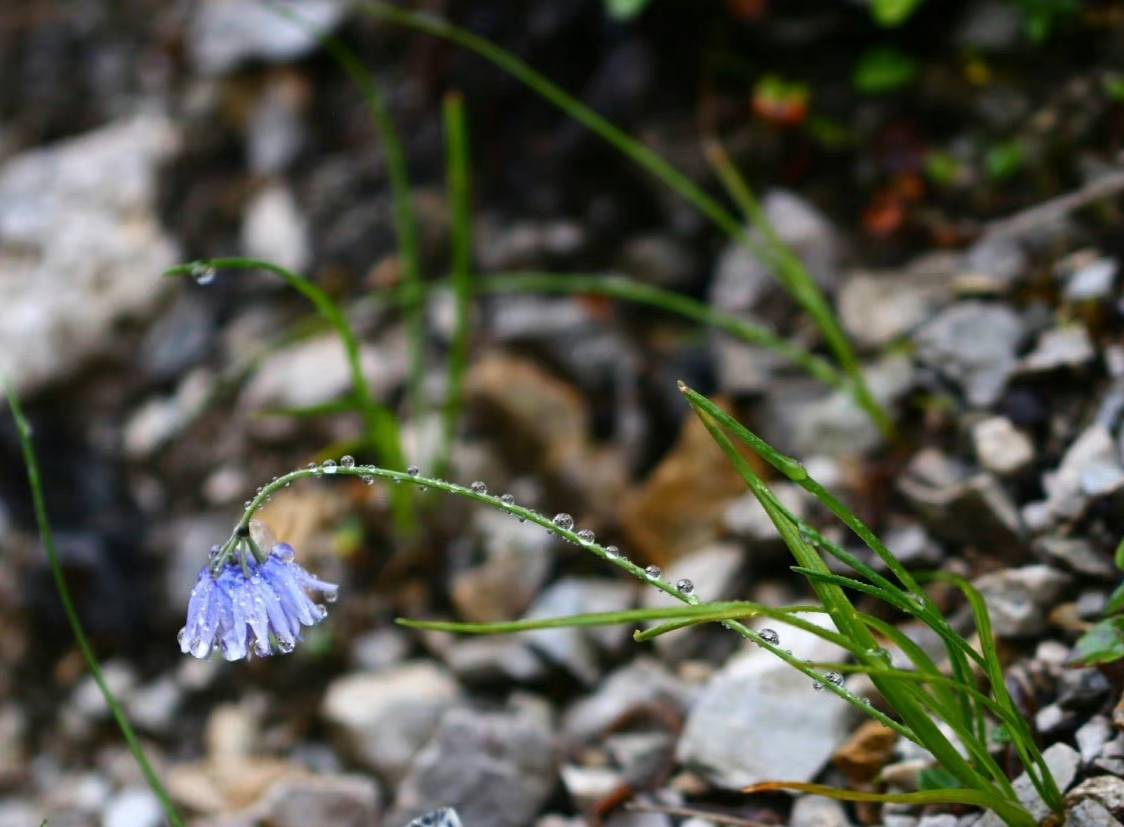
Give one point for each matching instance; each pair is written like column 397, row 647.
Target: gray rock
column 316, row 371
column 638, row 684
column 19, row 812
column 1091, row 603
column 1082, row 688
column 1091, row 738
column 274, row 229
column 1090, row 813
column 1062, row 762
column 1019, row 599
column 330, row 801
column 1075, row 554
column 379, row 649
column 1107, row 790
column 1051, row 719
column 714, row 572
column 877, row 308
column 1068, row 347
column 494, row 660
column 836, row 426
column 1092, row 281
column 1090, row 468
column 503, row 245
column 817, row 811
column 514, row 567
column 938, row 820
column 87, row 704
column 751, row 699
column 661, row 260
column 912, row 546
column 589, row 785
column 385, row 717
column 997, row 260
column 179, row 339
column 961, row 506
column 161, row 418
column 973, row 344
column 576, row 649
column 276, row 131
column 226, row 33
column 13, row 727
column 640, row 755
column 153, row 707
column 1002, row 448
column 746, row 519
column 496, row 770
column 133, row 807
column 537, row 317
column 81, row 246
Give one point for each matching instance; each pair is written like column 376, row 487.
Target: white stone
column 754, row 699
column 81, row 246
column 133, row 807
column 275, row 229
column 1001, row 447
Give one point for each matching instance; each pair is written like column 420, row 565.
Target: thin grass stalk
column 849, row 624
column 644, row 157
column 35, row 482
column 637, row 292
column 794, row 276
column 381, row 424
column 458, row 165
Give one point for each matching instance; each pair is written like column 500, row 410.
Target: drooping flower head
column 250, row 602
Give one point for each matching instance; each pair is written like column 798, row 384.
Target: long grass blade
column 34, row 480
column 382, row 426
column 458, row 165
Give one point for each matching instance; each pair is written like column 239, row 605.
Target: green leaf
column 937, row 778
column 883, row 70
column 625, row 9
column 1004, row 160
column 942, row 168
column 891, row 13
column 1104, row 643
column 1115, row 601
column 1113, row 86
column 1001, row 735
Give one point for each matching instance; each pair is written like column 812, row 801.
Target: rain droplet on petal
column 612, row 552
column 413, row 471
column 182, row 634
column 585, row 535
column 563, row 521
column 653, row 572
column 284, row 552
column 479, row 488
column 331, row 597
column 328, row 466
column 347, row 462
column 817, row 686
column 508, row 499
column 834, row 678
column 367, row 478
column 685, row 586
column 311, row 466
column 770, row 636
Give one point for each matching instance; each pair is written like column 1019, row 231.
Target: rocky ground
column 134, row 136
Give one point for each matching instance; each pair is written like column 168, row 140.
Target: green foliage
column 942, row 168
column 35, row 482
column 890, row 13
column 1104, row 643
column 1004, row 160
column 885, row 69
column 625, row 9
column 1113, row 86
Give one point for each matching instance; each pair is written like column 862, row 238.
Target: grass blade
column 458, row 165
column 34, row 480
column 382, row 426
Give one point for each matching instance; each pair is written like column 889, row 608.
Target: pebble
column 276, row 130
column 385, row 717
column 223, row 34
column 378, row 649
column 1067, row 347
column 133, row 807
column 661, row 260
column 339, row 801
column 1090, row 468
column 1092, row 281
column 938, row 820
column 912, row 546
column 974, row 344
column 1062, row 761
column 780, row 699
column 13, row 727
column 1020, row 598
column 153, row 707
column 1090, row 813
column 818, row 811
column 274, row 229
column 1080, row 689
column 1076, row 554
column 514, row 568
column 497, row 771
column 70, row 214
column 492, row 660
column 577, row 649
column 161, row 419
column 961, row 506
column 746, row 519
column 1107, row 790
column 1000, row 447
column 636, row 685
column 877, row 308
column 1091, row 738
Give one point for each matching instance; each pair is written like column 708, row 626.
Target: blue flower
column 247, row 607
